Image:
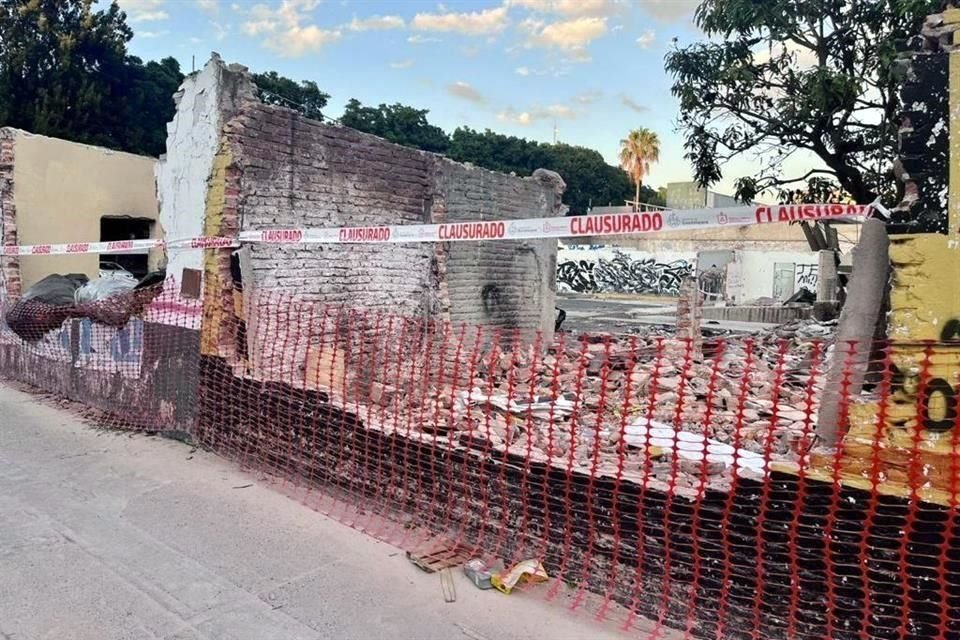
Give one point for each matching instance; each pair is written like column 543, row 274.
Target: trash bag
column 44, row 306
column 56, row 290
column 105, row 287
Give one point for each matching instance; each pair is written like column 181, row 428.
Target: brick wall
column 508, row 284
column 277, row 169
column 9, row 265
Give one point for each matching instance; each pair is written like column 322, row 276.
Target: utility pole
column 555, row 131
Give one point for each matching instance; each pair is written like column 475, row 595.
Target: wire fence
column 673, row 485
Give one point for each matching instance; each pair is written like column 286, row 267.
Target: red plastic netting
column 669, row 484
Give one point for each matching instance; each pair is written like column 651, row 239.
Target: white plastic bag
column 105, row 287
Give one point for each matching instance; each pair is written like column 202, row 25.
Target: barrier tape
column 607, row 224
column 118, row 246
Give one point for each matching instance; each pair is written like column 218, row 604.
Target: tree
column 782, row 76
column 590, row 180
column 65, row 72
column 304, row 96
column 62, row 68
column 637, row 151
column 150, row 105
column 397, row 123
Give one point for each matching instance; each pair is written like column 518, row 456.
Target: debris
column 438, row 555
column 244, row 486
column 479, row 573
column 447, row 586
column 527, row 571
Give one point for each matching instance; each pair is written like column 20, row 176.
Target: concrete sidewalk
column 108, row 536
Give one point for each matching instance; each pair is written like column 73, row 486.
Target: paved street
column 109, row 536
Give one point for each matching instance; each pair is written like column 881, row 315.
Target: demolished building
column 234, row 163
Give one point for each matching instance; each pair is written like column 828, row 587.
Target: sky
column 592, row 68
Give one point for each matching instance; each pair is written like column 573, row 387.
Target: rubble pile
column 645, row 405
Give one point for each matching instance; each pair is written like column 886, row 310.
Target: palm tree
column 637, row 151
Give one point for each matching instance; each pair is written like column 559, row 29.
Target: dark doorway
column 114, row 228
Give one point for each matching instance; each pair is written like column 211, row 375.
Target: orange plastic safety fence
column 678, row 487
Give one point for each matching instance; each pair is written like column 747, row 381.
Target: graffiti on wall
column 807, row 277
column 101, row 348
column 622, row 273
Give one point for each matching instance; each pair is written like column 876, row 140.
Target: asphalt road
column 107, row 536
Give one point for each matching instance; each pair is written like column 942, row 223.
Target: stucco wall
column 752, row 274
column 62, row 189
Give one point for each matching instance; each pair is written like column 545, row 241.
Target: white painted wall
column 182, row 174
column 751, row 275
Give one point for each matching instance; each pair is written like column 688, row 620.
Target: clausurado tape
column 607, row 224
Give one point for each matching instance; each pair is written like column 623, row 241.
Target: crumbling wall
column 507, row 284
column 203, row 101
column 9, row 265
column 925, row 225
column 275, row 169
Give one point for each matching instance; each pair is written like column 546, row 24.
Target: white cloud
column 551, row 112
column 144, row 10
column 419, row 39
column 588, row 97
column 402, row 64
column 646, row 39
column 284, row 28
column 209, row 6
column 151, row 34
column 632, row 104
column 802, row 56
column 522, row 71
column 470, row 52
column 474, row 23
column 463, row 90
column 221, row 31
column 509, row 115
column 616, row 27
column 377, row 23
column 571, row 36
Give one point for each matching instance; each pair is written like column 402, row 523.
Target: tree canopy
column 795, row 75
column 397, row 123
column 304, row 96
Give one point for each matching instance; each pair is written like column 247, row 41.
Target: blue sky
column 514, row 66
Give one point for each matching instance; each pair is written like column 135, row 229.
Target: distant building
column 689, row 195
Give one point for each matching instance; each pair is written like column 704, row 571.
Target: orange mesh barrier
column 672, row 485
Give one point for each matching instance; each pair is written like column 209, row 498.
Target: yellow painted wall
column 925, row 294
column 62, row 189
